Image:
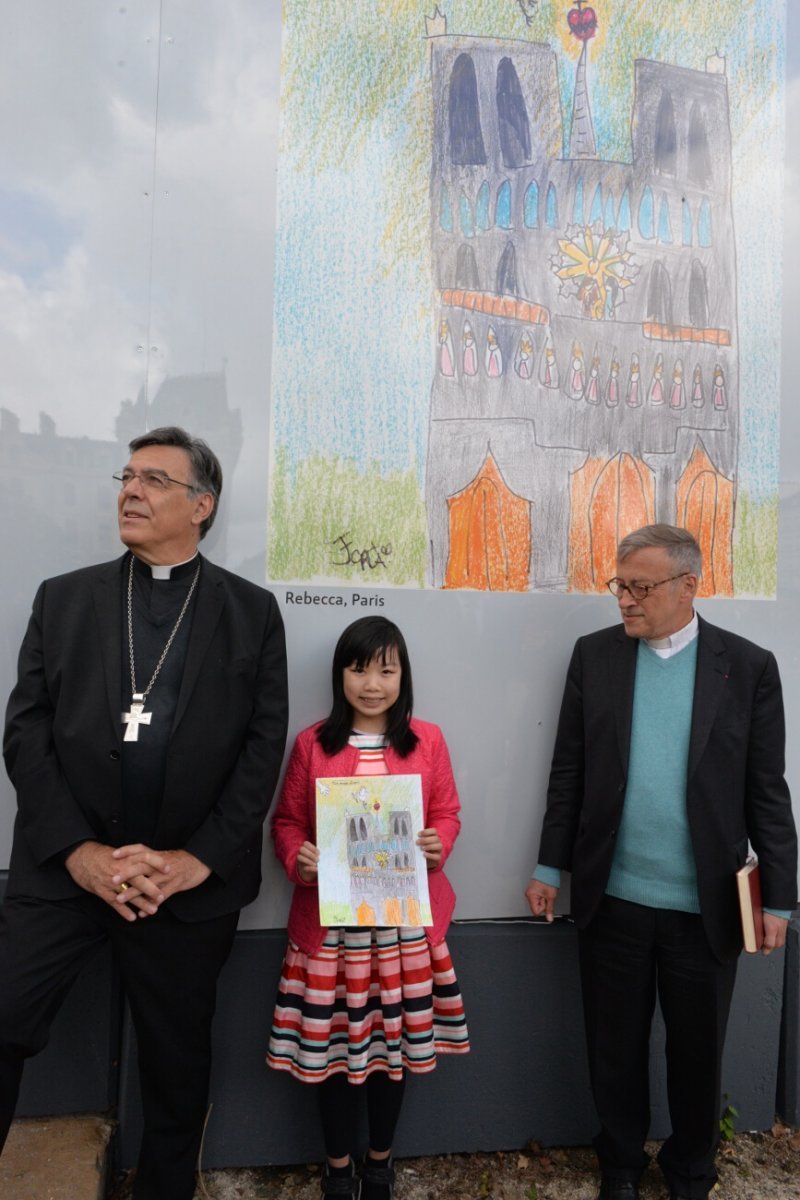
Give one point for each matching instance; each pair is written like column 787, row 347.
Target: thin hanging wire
column 151, row 256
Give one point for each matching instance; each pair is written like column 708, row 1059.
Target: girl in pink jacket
column 364, row 1005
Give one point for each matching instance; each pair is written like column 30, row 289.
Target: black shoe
column 618, row 1189
column 344, row 1186
column 377, row 1179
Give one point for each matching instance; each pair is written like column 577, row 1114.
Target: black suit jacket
column 64, row 734
column 735, row 786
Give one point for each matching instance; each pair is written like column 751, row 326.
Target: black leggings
column 338, row 1107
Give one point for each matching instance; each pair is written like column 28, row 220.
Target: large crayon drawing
column 527, row 290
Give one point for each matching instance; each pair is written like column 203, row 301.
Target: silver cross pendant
column 136, row 717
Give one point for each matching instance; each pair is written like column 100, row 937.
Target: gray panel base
column 77, row 1070
column 525, row 1078
column 789, row 1061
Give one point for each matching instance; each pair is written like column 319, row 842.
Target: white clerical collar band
column 161, row 572
column 676, row 641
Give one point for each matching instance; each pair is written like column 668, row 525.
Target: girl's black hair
column 361, row 642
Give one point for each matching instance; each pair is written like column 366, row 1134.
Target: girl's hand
column 307, row 859
column 430, row 844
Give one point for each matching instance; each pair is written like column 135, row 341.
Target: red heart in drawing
column 582, row 22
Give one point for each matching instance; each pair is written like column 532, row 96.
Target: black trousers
column 169, row 969
column 628, row 955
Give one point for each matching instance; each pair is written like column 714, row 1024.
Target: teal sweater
column 653, row 861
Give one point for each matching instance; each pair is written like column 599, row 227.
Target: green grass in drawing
column 335, row 520
column 756, row 546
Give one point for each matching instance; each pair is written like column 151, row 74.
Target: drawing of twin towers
column 383, row 869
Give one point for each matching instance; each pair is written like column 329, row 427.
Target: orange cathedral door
column 609, row 498
column 490, row 535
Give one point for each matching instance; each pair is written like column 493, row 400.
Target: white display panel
column 137, row 211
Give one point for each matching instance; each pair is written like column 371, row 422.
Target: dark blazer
column 735, row 786
column 63, row 739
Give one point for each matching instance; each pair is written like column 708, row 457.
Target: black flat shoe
column 346, row 1187
column 618, row 1189
column 377, row 1180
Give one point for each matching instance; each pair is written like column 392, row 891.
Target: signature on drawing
column 349, row 555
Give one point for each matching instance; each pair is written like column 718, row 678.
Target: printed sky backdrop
column 387, row 470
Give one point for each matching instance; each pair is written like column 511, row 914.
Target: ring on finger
column 123, row 887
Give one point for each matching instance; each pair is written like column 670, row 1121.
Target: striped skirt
column 368, row 1000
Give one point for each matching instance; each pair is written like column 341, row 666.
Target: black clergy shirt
column 156, row 605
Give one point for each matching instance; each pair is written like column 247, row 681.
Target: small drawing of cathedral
column 586, row 377
column 383, row 868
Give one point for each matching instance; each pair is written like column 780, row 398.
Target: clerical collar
column 676, row 641
column 171, row 571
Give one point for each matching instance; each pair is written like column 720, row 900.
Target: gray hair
column 204, row 464
column 679, row 544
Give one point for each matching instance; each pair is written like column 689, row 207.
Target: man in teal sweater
column 669, row 758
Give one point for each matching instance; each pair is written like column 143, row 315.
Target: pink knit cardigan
column 294, row 820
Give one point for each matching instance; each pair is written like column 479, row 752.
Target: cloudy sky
column 137, row 207
column 137, row 196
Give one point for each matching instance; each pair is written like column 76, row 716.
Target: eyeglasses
column 153, row 481
column 639, row 591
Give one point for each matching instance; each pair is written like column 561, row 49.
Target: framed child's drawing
column 371, row 871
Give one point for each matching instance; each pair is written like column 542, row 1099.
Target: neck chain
column 136, row 717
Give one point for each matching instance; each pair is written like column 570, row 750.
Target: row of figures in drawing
column 657, row 393
column 493, row 362
column 579, row 384
column 492, row 357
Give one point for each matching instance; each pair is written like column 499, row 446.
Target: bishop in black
column 144, row 738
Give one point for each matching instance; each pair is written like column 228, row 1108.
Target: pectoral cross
column 133, row 719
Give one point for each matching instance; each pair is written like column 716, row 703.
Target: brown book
column 748, row 883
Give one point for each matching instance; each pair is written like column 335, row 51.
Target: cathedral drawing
column 383, row 868
column 586, row 377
